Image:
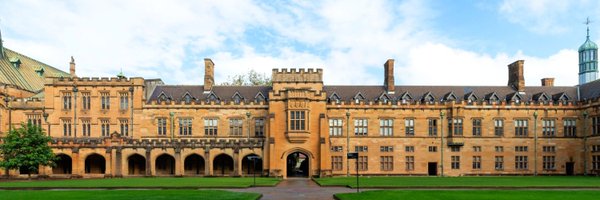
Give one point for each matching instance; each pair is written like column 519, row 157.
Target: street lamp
column 248, row 114
column 535, row 137
column 442, row 114
column 347, row 143
column 585, row 135
column 45, row 115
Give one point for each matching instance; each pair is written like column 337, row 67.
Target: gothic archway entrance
column 250, row 167
column 165, row 165
column 136, row 165
column 63, row 165
column 194, row 165
column 297, row 165
column 223, row 165
column 95, row 164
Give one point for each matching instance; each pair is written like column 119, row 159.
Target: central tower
column 588, row 59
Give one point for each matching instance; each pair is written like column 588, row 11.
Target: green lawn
column 145, row 182
column 127, row 194
column 470, row 195
column 520, row 181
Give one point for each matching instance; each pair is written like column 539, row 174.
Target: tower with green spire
column 588, row 59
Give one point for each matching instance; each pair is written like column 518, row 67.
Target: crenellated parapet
column 285, row 75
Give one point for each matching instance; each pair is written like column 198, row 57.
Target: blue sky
column 442, row 42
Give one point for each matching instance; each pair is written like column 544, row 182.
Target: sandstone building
column 122, row 127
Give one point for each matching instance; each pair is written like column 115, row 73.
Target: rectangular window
column 162, row 126
column 123, row 101
column 185, row 126
column 259, row 127
column 410, row 163
column 549, row 162
column 235, row 126
column 521, row 148
column 596, row 148
column 124, row 125
column 335, row 127
column 387, row 163
column 34, row 119
column 337, row 163
column 595, row 126
column 386, row 127
column 105, row 100
column 105, row 126
column 521, row 162
column 409, row 127
column 596, row 162
column 386, row 149
column 86, row 127
column 363, row 163
column 432, row 149
column 210, row 126
column 360, row 127
column 548, row 128
column 570, row 128
column 455, row 162
column 477, row 127
column 297, row 120
column 499, row 163
column 361, row 149
column 337, row 149
column 476, row 162
column 409, row 148
column 85, row 100
column 499, row 149
column 476, row 148
column 66, row 127
column 549, row 149
column 455, row 148
column 432, row 127
column 66, row 96
column 456, row 126
column 498, row 127
column 521, row 128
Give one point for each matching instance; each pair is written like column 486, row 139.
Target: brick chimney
column 72, row 67
column 209, row 74
column 515, row 76
column 388, row 83
column 548, row 82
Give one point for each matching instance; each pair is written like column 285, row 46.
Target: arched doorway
column 250, row 166
column 297, row 165
column 223, row 165
column 63, row 165
column 194, row 165
column 136, row 165
column 95, row 164
column 165, row 165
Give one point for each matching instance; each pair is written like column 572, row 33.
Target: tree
column 26, row 147
column 250, row 78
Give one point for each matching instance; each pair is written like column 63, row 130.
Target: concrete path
column 296, row 188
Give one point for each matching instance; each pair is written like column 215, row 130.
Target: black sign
column 353, row 155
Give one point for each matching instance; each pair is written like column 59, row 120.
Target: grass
column 127, row 195
column 470, row 194
column 522, row 181
column 165, row 182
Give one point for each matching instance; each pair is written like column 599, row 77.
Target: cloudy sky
column 437, row 42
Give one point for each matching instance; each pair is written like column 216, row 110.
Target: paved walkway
column 296, row 188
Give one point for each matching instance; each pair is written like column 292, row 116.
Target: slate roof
column 26, row 75
column 223, row 93
column 590, row 90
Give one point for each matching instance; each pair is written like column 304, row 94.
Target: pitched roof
column 224, row 93
column 590, row 90
column 26, row 75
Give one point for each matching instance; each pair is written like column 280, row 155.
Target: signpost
column 253, row 159
column 354, row 155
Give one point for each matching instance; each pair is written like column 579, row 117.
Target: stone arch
column 64, row 164
column 165, row 165
column 298, row 167
column 194, row 165
column 95, row 164
column 223, row 165
column 136, row 164
column 250, row 167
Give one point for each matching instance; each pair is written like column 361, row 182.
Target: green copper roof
column 588, row 45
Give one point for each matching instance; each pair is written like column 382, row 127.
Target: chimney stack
column 515, row 76
column 209, row 75
column 388, row 83
column 72, row 67
column 548, row 82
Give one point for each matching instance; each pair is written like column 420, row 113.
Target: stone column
column 118, row 162
column 236, row 156
column 76, row 168
column 178, row 164
column 207, row 162
column 110, row 163
column 148, row 161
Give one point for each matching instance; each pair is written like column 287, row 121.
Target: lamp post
column 6, row 101
column 45, row 115
column 172, row 115
column 248, row 114
column 585, row 135
column 75, row 90
column 442, row 114
column 131, row 110
column 347, row 143
column 535, row 137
